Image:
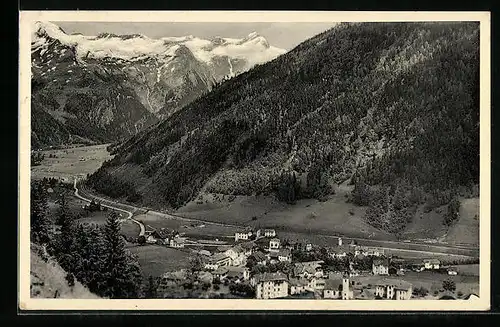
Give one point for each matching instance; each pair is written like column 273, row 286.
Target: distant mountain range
column 392, row 108
column 108, row 87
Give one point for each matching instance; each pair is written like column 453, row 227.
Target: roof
column 432, row 261
column 274, row 239
column 160, row 234
column 237, row 249
column 332, row 284
column 223, row 248
column 218, row 257
column 309, row 267
column 247, row 245
column 397, row 283
column 243, row 231
column 259, row 256
column 269, row 230
column 205, row 252
column 267, row 277
column 298, row 282
column 382, row 261
column 340, row 249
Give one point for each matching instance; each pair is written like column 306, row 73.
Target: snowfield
column 254, row 49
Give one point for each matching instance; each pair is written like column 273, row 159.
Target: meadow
column 67, row 163
column 156, row 260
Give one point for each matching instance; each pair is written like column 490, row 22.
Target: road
column 130, row 214
column 416, row 247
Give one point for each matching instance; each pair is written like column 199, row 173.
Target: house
column 244, row 235
column 237, row 255
column 271, row 285
column 259, row 257
column 177, row 242
column 157, row 237
column 308, row 269
column 340, row 251
column 285, row 255
column 236, row 274
column 220, row 273
column 393, row 289
column 247, row 248
column 374, row 252
column 316, row 283
column 431, row 263
column 298, row 286
column 266, row 233
column 217, row 260
column 309, row 247
column 274, row 244
column 380, row 266
column 452, row 271
column 338, row 289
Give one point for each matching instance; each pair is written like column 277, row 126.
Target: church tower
column 345, row 287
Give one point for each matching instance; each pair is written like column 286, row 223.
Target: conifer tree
column 39, row 220
column 121, row 270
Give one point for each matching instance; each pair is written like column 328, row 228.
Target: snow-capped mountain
column 165, row 74
column 92, row 78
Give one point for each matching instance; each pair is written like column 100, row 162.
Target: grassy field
column 468, row 270
column 335, row 216
column 332, row 216
column 70, row 162
column 152, row 221
column 156, row 260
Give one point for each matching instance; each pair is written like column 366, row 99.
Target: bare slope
column 48, row 279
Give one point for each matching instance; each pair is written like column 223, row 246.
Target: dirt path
column 129, row 213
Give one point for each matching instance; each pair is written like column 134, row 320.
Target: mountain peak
column 253, row 35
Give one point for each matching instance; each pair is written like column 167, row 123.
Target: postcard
column 246, row 160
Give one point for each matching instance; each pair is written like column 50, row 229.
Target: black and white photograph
column 290, row 163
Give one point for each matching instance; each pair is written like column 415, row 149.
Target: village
column 258, row 264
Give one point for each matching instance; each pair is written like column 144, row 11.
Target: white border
column 27, row 303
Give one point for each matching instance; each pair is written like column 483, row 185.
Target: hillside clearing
column 71, row 162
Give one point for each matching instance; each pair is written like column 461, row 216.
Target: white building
column 237, row 255
column 380, row 266
column 271, row 286
column 338, row 289
column 431, row 263
column 393, row 289
column 242, row 235
column 274, row 244
column 217, row 260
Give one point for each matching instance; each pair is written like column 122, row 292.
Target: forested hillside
column 390, row 107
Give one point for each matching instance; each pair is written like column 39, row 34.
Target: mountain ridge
column 154, row 78
column 391, row 108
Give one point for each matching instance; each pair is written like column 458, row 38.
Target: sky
column 281, row 35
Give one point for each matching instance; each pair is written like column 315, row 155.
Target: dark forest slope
column 390, row 107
